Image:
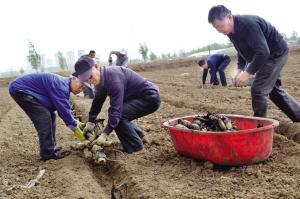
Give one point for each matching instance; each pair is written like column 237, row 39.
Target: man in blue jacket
column 215, row 63
column 261, row 51
column 40, row 95
column 131, row 97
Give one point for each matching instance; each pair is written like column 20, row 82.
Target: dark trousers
column 44, row 122
column 221, row 70
column 129, row 134
column 267, row 84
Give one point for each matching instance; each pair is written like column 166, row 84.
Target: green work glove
column 102, row 140
column 89, row 127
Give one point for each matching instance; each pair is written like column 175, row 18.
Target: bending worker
column 122, row 58
column 131, row 97
column 40, row 95
column 261, row 51
column 215, row 63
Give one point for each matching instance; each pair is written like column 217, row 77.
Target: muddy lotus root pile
column 208, row 122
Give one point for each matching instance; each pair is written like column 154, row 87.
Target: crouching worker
column 215, row 63
column 40, row 95
column 131, row 97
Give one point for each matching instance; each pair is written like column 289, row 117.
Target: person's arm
column 116, row 93
column 113, row 53
column 258, row 44
column 204, row 75
column 100, row 96
column 241, row 63
column 61, row 102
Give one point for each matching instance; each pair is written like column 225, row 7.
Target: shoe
column 57, row 148
column 54, row 156
column 145, row 140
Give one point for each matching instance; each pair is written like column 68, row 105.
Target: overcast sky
column 104, row 25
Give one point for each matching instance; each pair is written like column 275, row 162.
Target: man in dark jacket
column 131, row 97
column 215, row 63
column 40, row 95
column 122, row 58
column 261, row 51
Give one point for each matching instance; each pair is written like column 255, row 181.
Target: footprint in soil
column 290, row 130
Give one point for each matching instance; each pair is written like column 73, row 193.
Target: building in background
column 43, row 60
column 49, row 63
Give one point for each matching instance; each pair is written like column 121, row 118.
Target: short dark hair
column 92, row 51
column 201, row 62
column 218, row 12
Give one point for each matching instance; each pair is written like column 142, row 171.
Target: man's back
column 43, row 86
column 256, row 40
column 216, row 59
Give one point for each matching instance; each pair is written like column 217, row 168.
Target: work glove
column 79, row 134
column 89, row 127
column 78, row 131
column 80, row 125
column 102, row 140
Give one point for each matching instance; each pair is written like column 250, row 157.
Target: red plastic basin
column 247, row 146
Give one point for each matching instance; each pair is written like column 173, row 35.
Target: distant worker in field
column 131, row 96
column 40, row 95
column 261, row 51
column 122, row 58
column 88, row 90
column 215, row 63
column 92, row 54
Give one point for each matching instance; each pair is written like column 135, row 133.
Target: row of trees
column 34, row 58
column 150, row 55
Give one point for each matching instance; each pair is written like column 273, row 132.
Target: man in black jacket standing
column 261, row 51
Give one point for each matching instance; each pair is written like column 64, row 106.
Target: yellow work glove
column 78, row 132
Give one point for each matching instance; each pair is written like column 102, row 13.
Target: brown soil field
column 158, row 171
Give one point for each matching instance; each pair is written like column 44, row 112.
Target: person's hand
column 79, row 134
column 102, row 140
column 89, row 127
column 80, row 124
column 242, row 78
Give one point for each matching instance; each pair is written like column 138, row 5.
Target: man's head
column 92, row 54
column 202, row 63
column 76, row 85
column 221, row 19
column 86, row 70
